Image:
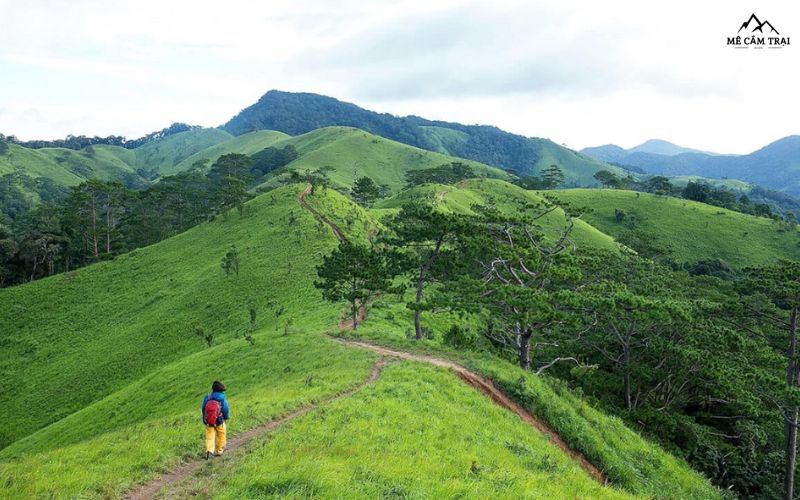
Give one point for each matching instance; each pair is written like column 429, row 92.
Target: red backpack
column 212, row 411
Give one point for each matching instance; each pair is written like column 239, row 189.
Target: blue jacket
column 218, row 396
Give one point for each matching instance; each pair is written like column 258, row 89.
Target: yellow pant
column 217, row 432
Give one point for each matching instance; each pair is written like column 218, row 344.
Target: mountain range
column 776, row 165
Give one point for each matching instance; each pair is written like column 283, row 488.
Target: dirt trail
column 488, row 388
column 152, row 488
column 301, row 198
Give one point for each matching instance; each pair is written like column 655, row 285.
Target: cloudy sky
column 579, row 73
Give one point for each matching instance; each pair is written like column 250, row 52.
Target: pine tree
column 354, row 273
column 365, row 191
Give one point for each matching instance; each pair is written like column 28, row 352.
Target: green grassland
column 342, row 149
column 688, row 231
column 385, row 161
column 117, row 321
column 164, row 154
column 153, row 424
column 478, row 450
column 442, row 138
column 246, row 144
column 104, row 376
column 507, row 198
column 730, row 184
column 629, row 462
column 66, row 167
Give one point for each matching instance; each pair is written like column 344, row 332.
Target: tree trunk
column 626, row 375
column 108, row 227
column 790, row 429
column 525, row 349
column 355, row 306
column 417, row 312
column 791, row 453
column 423, row 274
column 94, row 226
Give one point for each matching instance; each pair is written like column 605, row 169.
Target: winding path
column 488, row 388
column 301, row 198
column 152, row 488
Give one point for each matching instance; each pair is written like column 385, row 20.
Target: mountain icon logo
column 758, row 25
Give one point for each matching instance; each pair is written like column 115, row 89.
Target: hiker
column 215, row 414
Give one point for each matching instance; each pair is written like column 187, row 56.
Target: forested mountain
column 298, row 113
column 775, row 166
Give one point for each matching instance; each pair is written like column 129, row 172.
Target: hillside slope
column 505, row 197
column 342, row 150
column 132, row 167
column 68, row 167
column 246, row 144
column 347, row 150
column 130, row 327
column 299, row 113
column 686, row 231
column 161, row 156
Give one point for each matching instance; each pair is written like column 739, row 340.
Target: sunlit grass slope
column 72, row 339
column 688, row 230
column 247, row 144
column 343, row 149
column 419, row 432
column 505, row 197
column 164, row 154
column 153, row 423
column 347, row 149
column 630, row 462
column 66, row 167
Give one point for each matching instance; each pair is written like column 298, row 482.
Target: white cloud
column 582, row 73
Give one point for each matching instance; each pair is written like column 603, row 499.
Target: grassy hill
column 247, row 144
column 68, row 167
column 125, row 332
column 385, row 161
column 164, row 154
column 505, row 197
column 342, row 149
column 133, row 167
column 687, row 231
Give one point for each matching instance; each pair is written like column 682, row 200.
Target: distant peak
column 662, row 147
